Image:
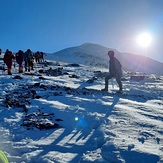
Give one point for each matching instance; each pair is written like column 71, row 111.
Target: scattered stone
column 74, row 65
column 41, row 71
column 36, row 84
column 33, row 92
column 74, row 76
column 65, row 73
column 90, row 81
column 54, row 72
column 123, row 79
column 137, row 78
column 58, row 119
column 100, row 74
column 42, row 78
column 41, row 121
column 37, row 97
column 57, row 94
column 17, row 77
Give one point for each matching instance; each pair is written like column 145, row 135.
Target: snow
column 92, row 126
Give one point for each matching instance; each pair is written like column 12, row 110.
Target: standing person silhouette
column 19, row 59
column 115, row 71
column 28, row 58
column 8, row 60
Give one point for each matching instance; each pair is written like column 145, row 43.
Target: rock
column 36, row 84
column 137, row 77
column 42, row 78
column 17, row 77
column 74, row 65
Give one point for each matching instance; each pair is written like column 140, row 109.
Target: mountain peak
column 89, row 45
column 96, row 55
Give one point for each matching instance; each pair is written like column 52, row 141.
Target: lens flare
column 76, row 118
column 80, row 121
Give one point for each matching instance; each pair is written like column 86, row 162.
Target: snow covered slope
column 57, row 114
column 96, row 55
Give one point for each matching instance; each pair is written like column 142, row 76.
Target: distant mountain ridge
column 96, row 55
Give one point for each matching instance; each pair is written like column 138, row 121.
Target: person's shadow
column 115, row 101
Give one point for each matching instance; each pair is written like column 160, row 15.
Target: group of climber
column 28, row 57
column 115, row 67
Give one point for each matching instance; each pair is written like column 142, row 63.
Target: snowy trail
column 96, row 126
column 135, row 128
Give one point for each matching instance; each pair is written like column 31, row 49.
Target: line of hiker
column 115, row 67
column 27, row 57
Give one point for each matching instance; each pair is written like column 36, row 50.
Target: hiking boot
column 20, row 71
column 105, row 90
column 120, row 91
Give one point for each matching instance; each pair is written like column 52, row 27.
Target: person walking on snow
column 19, row 60
column 115, row 71
column 8, row 59
column 28, row 58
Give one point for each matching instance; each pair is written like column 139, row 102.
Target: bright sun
column 144, row 39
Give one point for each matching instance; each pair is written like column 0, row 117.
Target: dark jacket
column 115, row 67
column 8, row 57
column 19, row 57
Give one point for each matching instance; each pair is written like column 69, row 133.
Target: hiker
column 8, row 59
column 37, row 57
column 19, row 60
column 0, row 51
column 28, row 58
column 42, row 56
column 115, row 71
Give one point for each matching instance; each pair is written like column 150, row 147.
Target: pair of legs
column 28, row 65
column 20, row 66
column 9, row 65
column 118, row 79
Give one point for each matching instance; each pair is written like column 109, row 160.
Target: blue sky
column 52, row 25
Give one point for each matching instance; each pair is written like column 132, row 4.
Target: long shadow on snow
column 76, row 139
column 76, row 131
column 80, row 130
column 134, row 157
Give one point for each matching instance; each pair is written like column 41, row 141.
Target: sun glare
column 144, row 39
